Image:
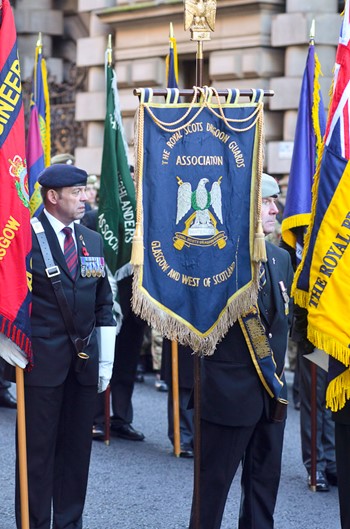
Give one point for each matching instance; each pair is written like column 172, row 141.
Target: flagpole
column 107, row 436
column 197, row 363
column 175, row 395
column 38, row 51
column 109, row 50
column 22, row 449
column 174, row 345
column 107, row 398
column 39, row 42
column 313, row 396
column 200, row 27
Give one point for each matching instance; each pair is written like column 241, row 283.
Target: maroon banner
column 15, row 231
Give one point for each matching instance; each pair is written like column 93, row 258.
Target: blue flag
column 198, row 169
column 172, row 64
column 309, row 131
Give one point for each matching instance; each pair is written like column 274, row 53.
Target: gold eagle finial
column 200, row 18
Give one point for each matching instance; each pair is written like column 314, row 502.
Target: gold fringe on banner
column 173, row 327
column 338, row 391
column 327, row 343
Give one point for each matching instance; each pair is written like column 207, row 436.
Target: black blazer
column 90, row 299
column 342, row 416
column 231, row 391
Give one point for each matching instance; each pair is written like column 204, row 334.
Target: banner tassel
column 137, row 246
column 259, row 252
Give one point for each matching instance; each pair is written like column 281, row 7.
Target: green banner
column 116, row 210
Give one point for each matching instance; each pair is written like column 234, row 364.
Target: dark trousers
column 59, row 424
column 342, row 448
column 127, row 355
column 259, row 447
column 186, row 418
column 325, row 452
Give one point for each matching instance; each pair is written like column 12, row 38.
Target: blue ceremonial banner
column 198, row 168
column 310, row 128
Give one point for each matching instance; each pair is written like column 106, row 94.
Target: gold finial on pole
column 171, row 35
column 39, row 42
column 200, row 18
column 109, row 50
column 312, row 32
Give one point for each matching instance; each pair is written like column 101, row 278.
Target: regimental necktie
column 70, row 251
column 262, row 276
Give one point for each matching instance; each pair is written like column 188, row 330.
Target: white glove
column 106, row 344
column 10, row 353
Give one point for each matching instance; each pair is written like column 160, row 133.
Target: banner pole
column 107, row 415
column 197, row 365
column 175, row 395
column 22, row 449
column 313, row 412
column 197, row 441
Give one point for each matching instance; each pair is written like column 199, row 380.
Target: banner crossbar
column 189, row 92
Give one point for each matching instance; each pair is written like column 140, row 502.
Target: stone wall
column 255, row 44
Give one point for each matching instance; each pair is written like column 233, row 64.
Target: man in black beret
column 61, row 388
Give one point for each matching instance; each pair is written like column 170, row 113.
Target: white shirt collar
column 56, row 224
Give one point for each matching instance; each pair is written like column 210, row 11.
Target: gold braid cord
column 169, row 324
column 137, row 245
column 259, row 252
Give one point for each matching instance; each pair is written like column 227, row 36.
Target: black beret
column 62, row 175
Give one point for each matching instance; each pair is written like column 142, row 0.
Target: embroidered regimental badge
column 200, row 226
column 18, row 170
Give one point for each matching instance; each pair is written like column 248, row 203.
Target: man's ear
column 52, row 196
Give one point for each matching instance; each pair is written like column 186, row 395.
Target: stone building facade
column 256, row 44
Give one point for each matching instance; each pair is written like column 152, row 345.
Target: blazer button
column 270, row 335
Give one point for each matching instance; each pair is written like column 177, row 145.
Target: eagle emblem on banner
column 202, row 222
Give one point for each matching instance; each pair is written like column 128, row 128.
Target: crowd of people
column 64, row 417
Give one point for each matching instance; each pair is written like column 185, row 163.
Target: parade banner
column 116, row 208
column 198, row 235
column 15, row 231
column 323, row 276
column 309, row 131
column 39, row 133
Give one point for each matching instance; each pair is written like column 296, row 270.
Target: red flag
column 15, row 231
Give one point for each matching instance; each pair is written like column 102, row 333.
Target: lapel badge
column 284, row 296
column 83, row 249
